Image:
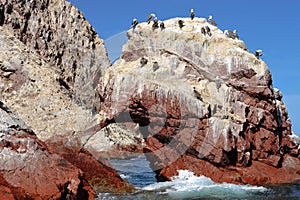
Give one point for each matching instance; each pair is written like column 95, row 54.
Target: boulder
column 202, row 103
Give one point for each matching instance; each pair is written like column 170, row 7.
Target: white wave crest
column 186, row 185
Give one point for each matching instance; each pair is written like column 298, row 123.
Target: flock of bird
column 204, row 30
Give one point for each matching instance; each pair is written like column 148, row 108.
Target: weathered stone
column 236, row 122
column 58, row 32
column 50, row 63
column 98, row 173
column 28, row 170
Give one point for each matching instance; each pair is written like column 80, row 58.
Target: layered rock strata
column 203, row 103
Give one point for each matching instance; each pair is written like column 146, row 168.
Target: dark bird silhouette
column 258, row 53
column 134, row 23
column 192, row 14
column 203, row 31
column 208, row 30
column 155, row 24
column 150, row 17
column 143, row 61
column 162, row 25
column 180, row 23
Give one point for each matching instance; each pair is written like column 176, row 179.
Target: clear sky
column 270, row 25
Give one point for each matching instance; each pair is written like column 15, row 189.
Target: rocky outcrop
column 59, row 33
column 28, row 170
column 203, row 103
column 30, row 88
column 50, row 62
column 99, row 173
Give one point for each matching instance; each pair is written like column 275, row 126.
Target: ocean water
column 187, row 186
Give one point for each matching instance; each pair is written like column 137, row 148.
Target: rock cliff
column 203, row 103
column 59, row 33
column 50, row 63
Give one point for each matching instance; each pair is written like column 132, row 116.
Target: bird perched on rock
column 150, row 17
column 207, row 29
column 235, row 34
column 180, row 23
column 143, row 61
column 258, row 53
column 229, row 34
column 134, row 23
column 162, row 25
column 197, row 94
column 155, row 66
column 203, row 31
column 232, row 35
column 192, row 14
column 155, row 24
column 212, row 22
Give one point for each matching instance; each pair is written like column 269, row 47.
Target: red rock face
column 232, row 127
column 100, row 174
column 28, row 170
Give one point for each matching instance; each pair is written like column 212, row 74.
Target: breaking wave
column 188, row 186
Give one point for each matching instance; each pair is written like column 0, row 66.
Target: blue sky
column 270, row 25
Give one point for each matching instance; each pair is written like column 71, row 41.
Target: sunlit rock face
column 51, row 60
column 58, row 32
column 202, row 103
column 50, row 63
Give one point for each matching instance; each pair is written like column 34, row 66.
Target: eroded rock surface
column 202, row 103
column 50, row 63
column 28, row 170
column 59, row 33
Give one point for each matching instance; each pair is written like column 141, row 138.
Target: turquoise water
column 187, row 186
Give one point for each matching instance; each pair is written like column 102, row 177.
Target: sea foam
column 186, row 185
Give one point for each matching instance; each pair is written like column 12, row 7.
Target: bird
column 143, row 61
column 229, row 33
column 155, row 66
column 203, row 31
column 208, row 30
column 212, row 22
column 155, row 24
column 180, row 23
column 258, row 53
column 232, row 35
column 197, row 94
column 162, row 25
column 134, row 23
column 192, row 14
column 150, row 17
column 218, row 82
column 235, row 34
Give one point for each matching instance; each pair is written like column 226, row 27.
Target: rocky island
column 185, row 98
